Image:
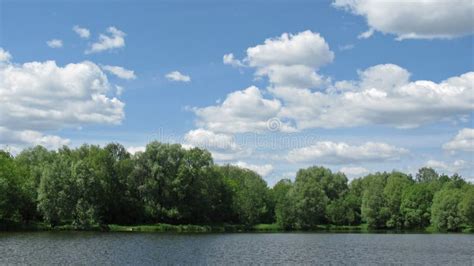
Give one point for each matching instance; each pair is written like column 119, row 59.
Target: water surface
column 93, row 248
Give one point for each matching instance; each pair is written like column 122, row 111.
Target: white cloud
column 288, row 60
column 463, row 141
column 366, row 34
column 115, row 39
column 450, row 167
column 120, row 72
column 263, row 170
column 305, row 48
column 55, row 43
column 354, row 172
column 223, row 147
column 135, row 149
column 415, row 19
column 228, row 59
column 43, row 96
column 177, row 76
column 343, row 153
column 5, row 56
column 82, row 32
column 242, row 111
column 209, row 140
column 30, row 137
column 384, row 95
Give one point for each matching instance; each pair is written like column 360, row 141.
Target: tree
column 415, row 206
column 396, row 183
column 466, row 205
column 445, row 211
column 32, row 161
column 341, row 211
column 154, row 173
column 250, row 195
column 426, row 174
column 11, row 193
column 309, row 198
column 284, row 215
column 374, row 210
column 55, row 194
column 334, row 185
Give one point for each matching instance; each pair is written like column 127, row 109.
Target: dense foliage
column 166, row 183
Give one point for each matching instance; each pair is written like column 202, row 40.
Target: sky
column 357, row 86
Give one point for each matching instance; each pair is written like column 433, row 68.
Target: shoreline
column 227, row 228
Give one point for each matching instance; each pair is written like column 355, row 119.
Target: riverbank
column 224, row 228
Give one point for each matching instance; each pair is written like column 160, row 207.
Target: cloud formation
column 120, row 72
column 463, row 141
column 44, row 96
column 114, row 40
column 5, row 56
column 55, row 43
column 82, row 32
column 328, row 152
column 263, row 170
column 415, row 19
column 242, row 111
column 178, row 76
column 288, row 60
column 384, row 95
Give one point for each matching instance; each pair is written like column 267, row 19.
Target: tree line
column 92, row 185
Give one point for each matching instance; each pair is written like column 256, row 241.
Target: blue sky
column 191, row 37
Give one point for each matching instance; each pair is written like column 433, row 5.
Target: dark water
column 87, row 248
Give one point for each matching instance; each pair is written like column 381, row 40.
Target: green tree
column 55, row 196
column 396, row 183
column 466, row 205
column 333, row 184
column 374, row 210
column 415, row 207
column 250, row 195
column 309, row 198
column 11, row 194
column 426, row 174
column 341, row 211
column 445, row 210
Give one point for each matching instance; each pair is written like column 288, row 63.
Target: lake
column 92, row 248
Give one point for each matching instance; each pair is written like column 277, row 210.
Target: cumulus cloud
column 5, row 56
column 242, row 111
column 114, row 40
column 384, row 95
column 44, row 96
column 450, row 167
column 82, row 32
column 416, row 19
column 343, row 153
column 263, row 170
column 209, row 140
column 178, row 76
column 228, row 59
column 55, row 43
column 30, row 137
column 288, row 60
column 463, row 141
column 120, row 72
column 355, row 171
column 223, row 147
